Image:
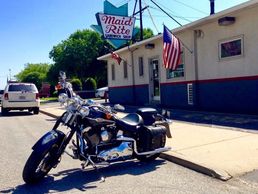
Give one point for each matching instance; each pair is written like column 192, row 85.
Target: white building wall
column 119, row 71
column 209, row 64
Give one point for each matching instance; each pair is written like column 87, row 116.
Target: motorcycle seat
column 130, row 122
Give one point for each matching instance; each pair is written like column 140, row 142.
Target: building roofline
column 192, row 25
column 131, row 46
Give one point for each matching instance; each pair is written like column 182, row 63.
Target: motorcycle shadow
column 85, row 179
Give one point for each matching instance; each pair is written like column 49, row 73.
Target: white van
column 20, row 96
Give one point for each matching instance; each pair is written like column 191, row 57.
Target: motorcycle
column 98, row 137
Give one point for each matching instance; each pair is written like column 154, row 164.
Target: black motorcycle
column 98, row 137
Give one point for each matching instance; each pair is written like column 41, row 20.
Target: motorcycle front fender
column 48, row 140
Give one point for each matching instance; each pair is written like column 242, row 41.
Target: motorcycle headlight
column 84, row 111
column 62, row 98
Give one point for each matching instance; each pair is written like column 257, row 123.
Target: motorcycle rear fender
column 49, row 139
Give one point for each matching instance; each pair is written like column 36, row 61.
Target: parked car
column 20, row 96
column 101, row 92
column 1, row 94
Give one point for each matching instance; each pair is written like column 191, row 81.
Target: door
column 154, row 80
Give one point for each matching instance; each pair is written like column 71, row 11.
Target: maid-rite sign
column 116, row 27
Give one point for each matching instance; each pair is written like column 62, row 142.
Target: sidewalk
column 216, row 150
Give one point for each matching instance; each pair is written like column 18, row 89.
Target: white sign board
column 116, row 27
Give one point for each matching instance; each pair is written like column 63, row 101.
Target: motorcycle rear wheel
column 39, row 164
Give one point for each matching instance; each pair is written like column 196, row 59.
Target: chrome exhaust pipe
column 156, row 151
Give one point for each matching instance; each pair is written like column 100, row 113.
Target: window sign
column 231, row 48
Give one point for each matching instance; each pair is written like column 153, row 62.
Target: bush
column 55, row 94
column 77, row 84
column 89, row 84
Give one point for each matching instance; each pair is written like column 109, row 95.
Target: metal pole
column 212, row 7
column 141, row 27
column 135, row 7
column 10, row 74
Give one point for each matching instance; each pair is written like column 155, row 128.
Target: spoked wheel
column 39, row 164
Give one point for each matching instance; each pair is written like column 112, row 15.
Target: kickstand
column 101, row 177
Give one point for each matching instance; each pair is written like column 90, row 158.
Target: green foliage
column 55, row 94
column 147, row 33
column 33, row 77
column 34, row 73
column 77, row 56
column 89, row 84
column 77, row 84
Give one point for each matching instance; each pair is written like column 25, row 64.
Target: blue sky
column 30, row 28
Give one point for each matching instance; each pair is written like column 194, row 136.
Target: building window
column 140, row 63
column 125, row 69
column 231, row 48
column 180, row 70
column 113, row 72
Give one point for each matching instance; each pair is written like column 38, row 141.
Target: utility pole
column 10, row 74
column 141, row 27
column 212, row 5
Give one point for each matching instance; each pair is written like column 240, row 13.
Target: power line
column 171, row 13
column 193, row 8
column 166, row 12
column 176, row 16
column 151, row 18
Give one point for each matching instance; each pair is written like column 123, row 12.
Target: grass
column 48, row 99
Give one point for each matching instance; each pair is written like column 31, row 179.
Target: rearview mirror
column 62, row 75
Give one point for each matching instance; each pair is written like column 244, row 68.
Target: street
column 20, row 130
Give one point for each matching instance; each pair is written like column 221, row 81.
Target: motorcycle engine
column 105, row 135
column 91, row 136
column 97, row 136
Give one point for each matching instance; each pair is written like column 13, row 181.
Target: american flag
column 116, row 57
column 171, row 50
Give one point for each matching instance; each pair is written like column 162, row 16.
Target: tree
column 33, row 77
column 34, row 73
column 77, row 56
column 147, row 33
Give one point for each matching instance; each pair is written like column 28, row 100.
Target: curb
column 48, row 114
column 216, row 173
column 178, row 159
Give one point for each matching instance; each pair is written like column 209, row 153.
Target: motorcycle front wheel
column 39, row 164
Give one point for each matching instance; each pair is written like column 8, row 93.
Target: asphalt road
column 20, row 130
